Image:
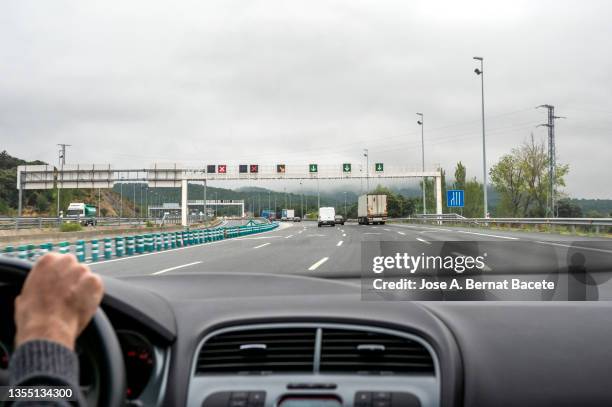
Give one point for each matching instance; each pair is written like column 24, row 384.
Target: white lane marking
column 344, row 235
column 435, row 229
column 182, row 248
column 488, row 235
column 261, row 245
column 594, row 249
column 317, row 264
column 162, row 252
column 342, row 230
column 300, row 231
column 339, row 243
column 402, row 233
column 174, row 268
column 259, row 237
column 316, row 235
column 387, row 230
column 423, row 240
column 288, row 237
column 371, row 233
column 374, row 227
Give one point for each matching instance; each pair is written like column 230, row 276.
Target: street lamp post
column 421, row 123
column 367, row 156
column 134, row 198
column 345, row 216
column 318, row 196
column 301, row 201
column 121, row 200
column 205, row 206
column 480, row 72
column 360, row 179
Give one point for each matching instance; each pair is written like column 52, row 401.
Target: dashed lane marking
column 175, row 268
column 317, row 264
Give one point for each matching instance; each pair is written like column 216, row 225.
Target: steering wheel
column 99, row 333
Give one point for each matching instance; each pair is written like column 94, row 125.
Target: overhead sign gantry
column 176, row 175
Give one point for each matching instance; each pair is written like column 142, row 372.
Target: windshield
column 433, row 142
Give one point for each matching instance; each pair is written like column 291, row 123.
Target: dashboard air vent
column 258, row 351
column 367, row 352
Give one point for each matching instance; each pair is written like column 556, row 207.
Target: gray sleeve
column 45, row 363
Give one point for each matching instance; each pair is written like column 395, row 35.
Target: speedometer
column 139, row 361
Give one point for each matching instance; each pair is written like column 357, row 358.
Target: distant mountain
column 594, row 207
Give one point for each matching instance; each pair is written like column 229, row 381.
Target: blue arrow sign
column 454, row 198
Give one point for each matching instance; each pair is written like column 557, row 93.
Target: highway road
column 336, row 252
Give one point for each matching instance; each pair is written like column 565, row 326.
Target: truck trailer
column 372, row 209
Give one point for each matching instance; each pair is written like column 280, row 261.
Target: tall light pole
column 140, row 206
column 484, row 150
column 360, row 179
column 62, row 161
column 134, row 198
column 345, row 206
column 301, row 201
column 367, row 156
column 121, row 200
column 205, row 206
column 421, row 123
column 318, row 196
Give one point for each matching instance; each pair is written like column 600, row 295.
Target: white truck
column 327, row 216
column 82, row 213
column 372, row 209
column 288, row 214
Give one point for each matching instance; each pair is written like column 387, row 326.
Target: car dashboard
column 259, row 340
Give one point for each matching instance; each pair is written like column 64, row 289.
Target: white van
column 327, row 216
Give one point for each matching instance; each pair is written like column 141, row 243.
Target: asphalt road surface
column 336, row 252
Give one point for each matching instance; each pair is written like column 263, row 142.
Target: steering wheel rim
column 112, row 368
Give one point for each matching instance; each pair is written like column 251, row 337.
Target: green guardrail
column 133, row 245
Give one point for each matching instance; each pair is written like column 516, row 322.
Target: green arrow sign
column 346, row 167
column 313, row 168
column 380, row 167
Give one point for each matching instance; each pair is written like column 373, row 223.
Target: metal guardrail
column 119, row 246
column 24, row 222
column 596, row 223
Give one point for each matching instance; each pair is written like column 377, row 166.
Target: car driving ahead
column 327, row 216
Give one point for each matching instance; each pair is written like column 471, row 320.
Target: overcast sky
column 196, row 82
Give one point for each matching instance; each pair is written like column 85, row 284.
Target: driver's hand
column 57, row 301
